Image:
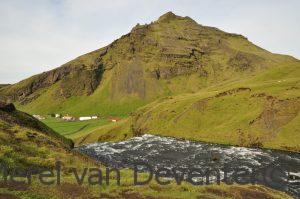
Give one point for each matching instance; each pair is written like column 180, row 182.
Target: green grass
column 99, row 103
column 69, row 189
column 222, row 119
column 227, row 119
column 26, row 147
column 68, row 128
column 111, row 132
column 26, row 142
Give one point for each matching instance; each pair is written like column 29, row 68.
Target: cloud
column 36, row 36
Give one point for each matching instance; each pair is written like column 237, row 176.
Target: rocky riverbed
column 276, row 169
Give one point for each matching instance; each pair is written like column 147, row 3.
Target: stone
column 7, row 107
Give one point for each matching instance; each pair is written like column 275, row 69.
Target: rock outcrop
column 7, row 107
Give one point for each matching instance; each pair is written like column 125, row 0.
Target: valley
column 27, row 145
column 164, row 91
column 69, row 128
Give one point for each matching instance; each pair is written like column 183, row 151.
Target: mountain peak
column 168, row 16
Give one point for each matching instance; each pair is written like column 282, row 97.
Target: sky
column 39, row 35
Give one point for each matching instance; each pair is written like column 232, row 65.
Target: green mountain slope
column 259, row 111
column 262, row 111
column 170, row 56
column 26, row 142
column 178, row 78
column 3, row 85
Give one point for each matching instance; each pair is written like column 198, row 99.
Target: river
column 276, row 169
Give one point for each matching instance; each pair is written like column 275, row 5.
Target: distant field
column 70, row 128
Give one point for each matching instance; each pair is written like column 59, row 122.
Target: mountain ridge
column 144, row 65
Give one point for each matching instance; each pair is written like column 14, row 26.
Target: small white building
column 39, row 117
column 68, row 118
column 114, row 119
column 84, row 118
column 57, row 115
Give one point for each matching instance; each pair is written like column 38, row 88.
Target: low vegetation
column 260, row 111
column 25, row 145
column 68, row 128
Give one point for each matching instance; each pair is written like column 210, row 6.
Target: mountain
column 258, row 111
column 178, row 78
column 172, row 55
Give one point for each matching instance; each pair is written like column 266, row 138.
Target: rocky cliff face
column 76, row 80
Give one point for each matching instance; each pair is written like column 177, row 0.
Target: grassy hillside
column 67, row 128
column 259, row 111
column 26, row 143
column 119, row 131
column 3, row 85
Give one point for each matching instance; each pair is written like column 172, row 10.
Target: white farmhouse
column 84, row 118
column 39, row 117
column 68, row 118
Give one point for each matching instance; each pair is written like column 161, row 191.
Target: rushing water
column 276, row 169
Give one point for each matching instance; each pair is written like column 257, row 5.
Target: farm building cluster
column 67, row 117
column 72, row 118
column 39, row 117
